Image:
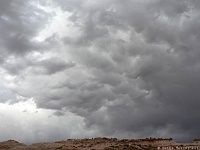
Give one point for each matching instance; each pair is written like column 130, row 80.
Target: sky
column 108, row 68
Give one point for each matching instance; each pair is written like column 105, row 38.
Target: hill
column 102, row 144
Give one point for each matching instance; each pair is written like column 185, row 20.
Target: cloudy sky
column 88, row 68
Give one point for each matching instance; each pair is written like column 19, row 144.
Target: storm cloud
column 126, row 69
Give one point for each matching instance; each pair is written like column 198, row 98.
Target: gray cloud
column 128, row 69
column 157, row 66
column 18, row 29
column 53, row 65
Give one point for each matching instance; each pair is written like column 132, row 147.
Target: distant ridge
column 103, row 144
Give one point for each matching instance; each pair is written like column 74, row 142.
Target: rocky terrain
column 96, row 144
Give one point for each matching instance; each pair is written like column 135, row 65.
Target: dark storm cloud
column 15, row 65
column 18, row 65
column 154, row 76
column 171, row 8
column 53, row 65
column 20, row 22
column 133, row 71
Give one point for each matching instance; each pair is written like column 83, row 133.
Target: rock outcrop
column 11, row 144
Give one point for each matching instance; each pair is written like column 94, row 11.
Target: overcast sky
column 88, row 68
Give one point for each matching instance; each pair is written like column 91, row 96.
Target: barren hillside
column 102, row 144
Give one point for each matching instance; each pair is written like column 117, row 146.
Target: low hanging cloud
column 129, row 68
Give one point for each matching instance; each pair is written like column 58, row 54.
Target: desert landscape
column 102, row 144
column 97, row 71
